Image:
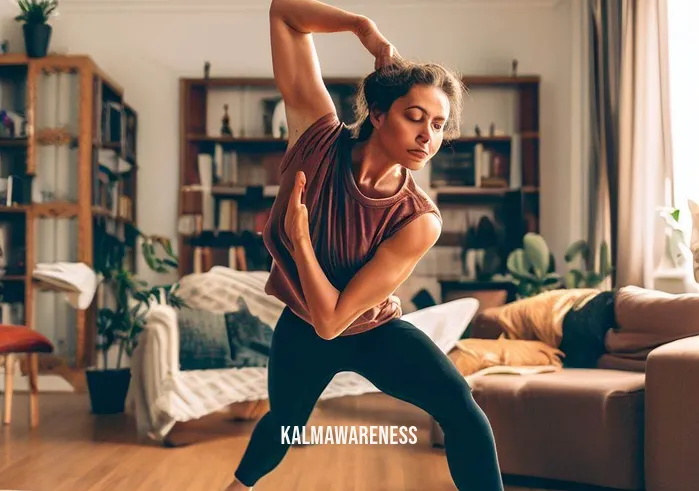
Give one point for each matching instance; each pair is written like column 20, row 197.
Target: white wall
column 147, row 44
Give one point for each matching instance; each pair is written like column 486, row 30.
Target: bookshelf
column 68, row 172
column 458, row 179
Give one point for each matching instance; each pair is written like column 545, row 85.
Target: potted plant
column 37, row 31
column 119, row 324
column 532, row 268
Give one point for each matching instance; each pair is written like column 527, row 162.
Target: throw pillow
column 535, row 318
column 694, row 241
column 203, row 340
column 249, row 338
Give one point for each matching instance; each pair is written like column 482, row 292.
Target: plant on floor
column 35, row 15
column 120, row 324
column 123, row 316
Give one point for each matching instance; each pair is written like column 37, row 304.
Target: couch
column 613, row 425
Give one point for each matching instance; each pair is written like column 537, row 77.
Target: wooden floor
column 73, row 450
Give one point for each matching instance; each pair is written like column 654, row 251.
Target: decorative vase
column 279, row 124
column 36, row 39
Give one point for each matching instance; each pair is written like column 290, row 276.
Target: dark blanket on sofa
column 585, row 329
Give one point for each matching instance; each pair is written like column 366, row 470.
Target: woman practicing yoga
column 347, row 228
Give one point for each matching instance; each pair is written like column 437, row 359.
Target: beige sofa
column 613, row 428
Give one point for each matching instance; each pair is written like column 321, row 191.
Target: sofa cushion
column 577, row 425
column 215, row 340
column 647, row 319
column 203, row 340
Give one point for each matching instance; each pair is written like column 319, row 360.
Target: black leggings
column 401, row 361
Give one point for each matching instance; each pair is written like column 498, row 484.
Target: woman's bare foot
column 238, row 486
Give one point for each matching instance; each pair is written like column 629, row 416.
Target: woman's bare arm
column 332, row 311
column 295, row 63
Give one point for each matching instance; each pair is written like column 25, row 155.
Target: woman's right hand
column 383, row 51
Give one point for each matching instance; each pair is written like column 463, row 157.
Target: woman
column 347, row 228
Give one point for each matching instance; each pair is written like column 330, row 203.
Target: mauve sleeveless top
column 346, row 226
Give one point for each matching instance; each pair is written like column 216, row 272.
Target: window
column 683, row 40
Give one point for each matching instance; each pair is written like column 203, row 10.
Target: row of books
column 110, row 172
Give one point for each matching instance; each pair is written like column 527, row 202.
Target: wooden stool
column 22, row 340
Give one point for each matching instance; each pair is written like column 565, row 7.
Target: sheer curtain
column 645, row 158
column 631, row 152
column 684, row 100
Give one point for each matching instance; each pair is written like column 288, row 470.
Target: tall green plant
column 36, row 11
column 121, row 325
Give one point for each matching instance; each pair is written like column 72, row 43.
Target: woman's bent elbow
column 326, row 331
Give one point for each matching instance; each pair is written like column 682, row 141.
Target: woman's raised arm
column 295, row 63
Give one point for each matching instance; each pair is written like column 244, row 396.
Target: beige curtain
column 631, row 159
column 645, row 153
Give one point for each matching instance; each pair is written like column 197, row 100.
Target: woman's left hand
column 296, row 220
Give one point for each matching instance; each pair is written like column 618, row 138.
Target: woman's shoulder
column 422, row 201
column 316, row 142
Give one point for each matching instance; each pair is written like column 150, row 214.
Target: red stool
column 15, row 340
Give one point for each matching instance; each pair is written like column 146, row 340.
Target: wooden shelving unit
column 517, row 204
column 71, row 112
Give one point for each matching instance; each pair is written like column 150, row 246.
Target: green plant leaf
column 517, row 261
column 573, row 278
column 552, row 279
column 577, row 248
column 593, row 279
column 676, row 214
column 525, row 277
column 537, row 253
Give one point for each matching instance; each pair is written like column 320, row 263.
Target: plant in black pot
column 37, row 31
column 120, row 322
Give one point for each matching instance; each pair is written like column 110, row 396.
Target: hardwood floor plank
column 73, row 450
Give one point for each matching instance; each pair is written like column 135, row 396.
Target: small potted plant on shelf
column 37, row 31
column 120, row 322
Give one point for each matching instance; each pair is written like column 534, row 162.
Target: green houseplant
column 533, row 270
column 533, row 267
column 37, row 31
column 120, row 322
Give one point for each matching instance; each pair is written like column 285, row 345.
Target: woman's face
column 413, row 129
